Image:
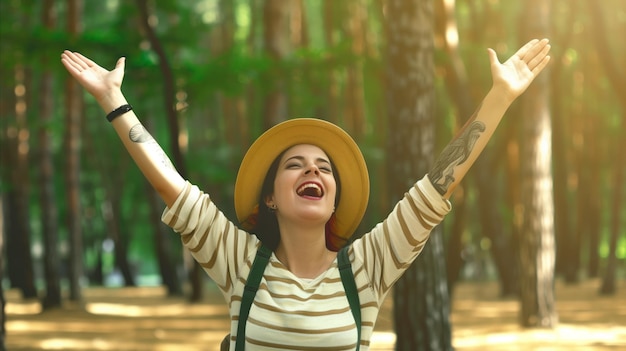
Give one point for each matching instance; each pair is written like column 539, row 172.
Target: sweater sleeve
column 218, row 245
column 392, row 245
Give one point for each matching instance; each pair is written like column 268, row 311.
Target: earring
column 272, row 208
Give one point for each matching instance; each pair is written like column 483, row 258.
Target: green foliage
column 209, row 69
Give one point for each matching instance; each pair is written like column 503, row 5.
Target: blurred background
column 545, row 203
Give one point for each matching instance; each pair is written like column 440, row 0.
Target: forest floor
column 144, row 319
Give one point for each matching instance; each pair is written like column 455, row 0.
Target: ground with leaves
column 143, row 319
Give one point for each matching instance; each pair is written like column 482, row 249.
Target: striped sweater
column 290, row 313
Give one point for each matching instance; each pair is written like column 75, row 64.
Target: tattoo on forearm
column 457, row 152
column 139, row 134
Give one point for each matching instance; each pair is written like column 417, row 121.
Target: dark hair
column 265, row 227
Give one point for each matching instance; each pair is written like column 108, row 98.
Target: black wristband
column 118, row 112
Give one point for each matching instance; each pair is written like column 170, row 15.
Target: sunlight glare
column 380, row 339
column 124, row 310
column 452, row 33
column 23, row 308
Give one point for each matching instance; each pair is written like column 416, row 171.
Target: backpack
column 254, row 279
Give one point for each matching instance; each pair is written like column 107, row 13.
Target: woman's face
column 304, row 187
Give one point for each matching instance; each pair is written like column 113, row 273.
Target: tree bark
column 195, row 272
column 3, row 331
column 329, row 11
column 112, row 218
column 72, row 150
column 47, row 196
column 459, row 88
column 560, row 129
column 18, row 233
column 537, row 239
column 456, row 84
column 167, row 268
column 277, row 46
column 421, row 301
column 355, row 107
column 617, row 78
column 608, row 286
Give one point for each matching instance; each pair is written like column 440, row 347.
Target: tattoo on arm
column 457, row 152
column 139, row 134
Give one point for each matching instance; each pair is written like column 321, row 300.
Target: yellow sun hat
column 342, row 150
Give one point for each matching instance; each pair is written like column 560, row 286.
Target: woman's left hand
column 516, row 74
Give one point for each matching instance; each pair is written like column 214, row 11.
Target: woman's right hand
column 99, row 82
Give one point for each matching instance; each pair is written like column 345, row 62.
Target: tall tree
column 277, row 44
column 330, row 12
column 47, row 194
column 16, row 154
column 537, row 239
column 617, row 77
column 356, row 30
column 458, row 85
column 562, row 206
column 72, row 150
column 3, row 331
column 421, row 301
column 169, row 100
column 14, row 151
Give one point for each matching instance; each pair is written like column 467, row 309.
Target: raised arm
column 510, row 80
column 105, row 86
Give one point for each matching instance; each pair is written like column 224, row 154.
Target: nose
column 312, row 168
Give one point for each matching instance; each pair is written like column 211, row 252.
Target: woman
column 302, row 188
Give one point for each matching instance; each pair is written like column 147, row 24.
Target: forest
column 545, row 202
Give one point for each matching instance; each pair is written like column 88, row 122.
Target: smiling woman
column 303, row 188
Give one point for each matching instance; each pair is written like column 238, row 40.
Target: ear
column 269, row 201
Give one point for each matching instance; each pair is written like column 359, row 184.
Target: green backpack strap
column 249, row 292
column 254, row 279
column 347, row 278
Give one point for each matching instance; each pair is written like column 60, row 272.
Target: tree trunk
column 47, row 195
column 617, row 78
column 456, row 84
column 537, row 239
column 167, row 268
column 501, row 247
column 421, row 301
column 169, row 92
column 277, row 46
column 355, row 107
column 331, row 108
column 3, row 331
column 112, row 217
column 72, row 150
column 459, row 88
column 608, row 280
column 561, row 129
column 19, row 259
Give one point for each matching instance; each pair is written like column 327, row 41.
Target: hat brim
column 334, row 141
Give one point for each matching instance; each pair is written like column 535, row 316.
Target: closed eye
column 326, row 169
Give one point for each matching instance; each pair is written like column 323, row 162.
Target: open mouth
column 310, row 189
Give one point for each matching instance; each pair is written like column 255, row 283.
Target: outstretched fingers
column 540, row 60
column 532, row 49
column 76, row 60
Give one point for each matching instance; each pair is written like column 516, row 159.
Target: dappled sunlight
column 564, row 336
column 127, row 310
column 482, row 321
column 382, row 341
column 146, row 319
column 23, row 308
